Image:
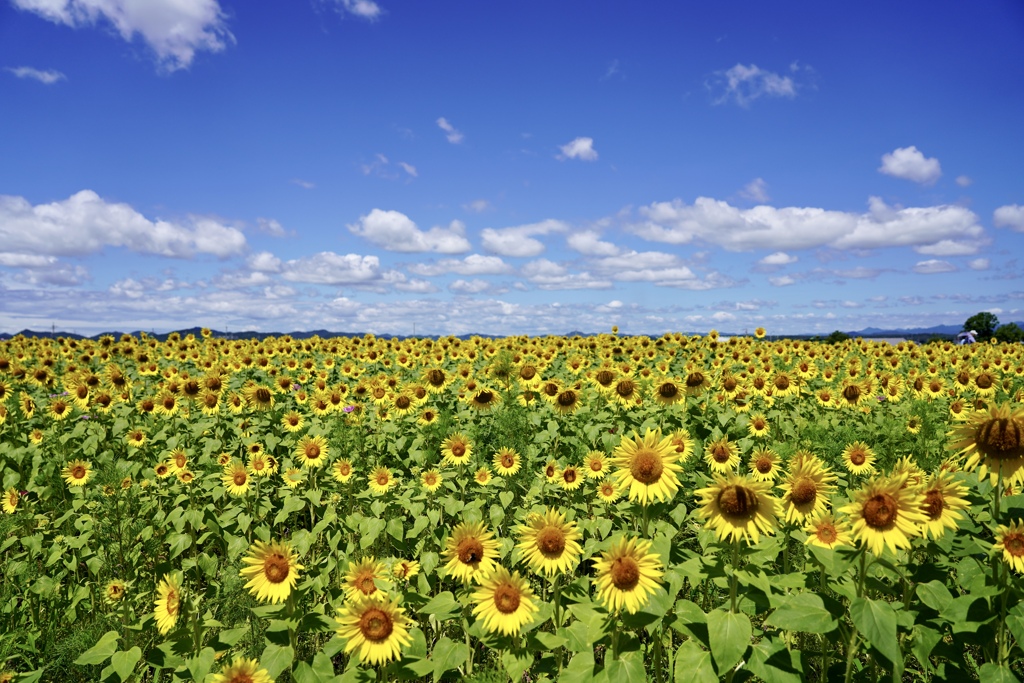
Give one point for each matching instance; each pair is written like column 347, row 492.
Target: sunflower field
column 603, row 508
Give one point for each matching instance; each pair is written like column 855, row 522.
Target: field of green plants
column 603, row 508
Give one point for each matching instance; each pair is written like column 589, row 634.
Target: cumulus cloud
column 948, row 248
column 47, row 77
column 85, row 223
column 328, row 268
column 270, row 227
column 782, row 280
column 477, row 206
column 933, row 266
column 548, row 275
column 765, row 227
column 589, row 243
column 978, row 264
column 454, row 136
column 908, row 163
column 469, row 286
column 779, row 258
column 518, row 241
column 756, row 190
column 744, row 84
column 580, row 148
column 474, row 264
column 1009, row 216
column 394, row 231
column 264, row 262
column 174, row 29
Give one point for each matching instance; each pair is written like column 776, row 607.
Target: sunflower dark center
column 625, row 388
column 759, row 424
column 376, row 625
column 880, row 511
column 382, row 479
column 721, row 454
column 172, row 603
column 804, row 491
column 528, row 372
column 365, row 585
column 737, row 501
column 934, row 504
column 550, row 471
column 729, row 383
column 470, row 551
column 858, row 457
column 827, row 533
column 984, row 381
column 435, row 377
column 275, row 567
column 458, row 450
column 646, row 466
column 851, row 392
column 596, row 465
column 379, row 392
column 782, row 383
column 484, row 397
column 567, row 398
column 312, row 451
column 77, row 471
column 551, row 541
column 764, row 465
column 239, row 477
column 625, row 573
column 605, row 377
column 508, row 460
column 569, row 475
column 1001, row 438
column 262, row 395
column 695, row 379
column 668, row 390
column 506, row 598
column 1014, row 544
column 169, row 402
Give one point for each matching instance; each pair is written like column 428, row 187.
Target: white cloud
column 756, row 190
column 1009, row 216
column 474, row 264
column 548, row 275
column 723, row 317
column 409, row 168
column 25, row 260
column 947, row 248
column 744, row 84
column 518, row 241
column 454, row 136
column 47, row 77
column 264, row 262
column 589, row 242
column 469, row 286
column 394, row 231
column 270, row 227
column 779, row 258
column 978, row 264
column 782, row 280
column 580, row 148
column 908, row 163
column 304, row 184
column 366, row 9
column 84, row 223
column 328, row 268
column 765, row 227
column 174, row 29
column 933, row 266
column 964, row 181
column 478, row 206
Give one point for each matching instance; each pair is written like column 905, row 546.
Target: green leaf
column 516, row 662
column 581, row 669
column 371, row 529
column 803, row 612
column 442, row 606
column 924, row 641
column 448, row 655
column 993, row 673
column 876, row 621
column 201, row 664
column 396, row 528
column 124, row 663
column 934, row 594
column 771, row 661
column 693, row 664
column 98, row 653
column 729, row 634
column 276, row 659
column 506, row 498
column 628, row 667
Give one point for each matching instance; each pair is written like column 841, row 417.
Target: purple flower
column 349, row 409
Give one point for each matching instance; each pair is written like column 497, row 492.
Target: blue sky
column 527, row 167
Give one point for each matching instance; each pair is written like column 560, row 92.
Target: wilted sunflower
column 504, row 602
column 375, row 627
column 943, row 503
column 457, row 449
column 627, row 574
column 77, row 472
column 825, row 531
column 167, row 603
column 431, row 480
column 381, row 480
column 595, row 465
column 273, row 569
column 470, row 551
column 722, row 456
column 806, row 488
column 361, row 578
column 993, row 439
column 648, row 466
column 236, row 479
column 885, row 513
column 243, row 670
column 549, row 543
column 114, row 591
column 764, row 464
column 507, row 462
column 858, row 458
column 1010, row 540
column 11, row 499
column 341, row 471
column 739, row 507
column 312, row 451
column 608, row 491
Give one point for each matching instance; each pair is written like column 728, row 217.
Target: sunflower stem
column 732, row 575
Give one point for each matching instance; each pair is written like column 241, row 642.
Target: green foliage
column 984, row 323
column 1009, row 333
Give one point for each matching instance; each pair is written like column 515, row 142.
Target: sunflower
column 136, row 438
column 483, row 476
column 913, row 424
column 77, row 472
column 162, row 470
column 567, row 401
column 114, row 591
column 312, row 451
column 376, row 627
column 1010, row 540
column 292, row 421
column 739, row 507
column 682, row 443
column 550, row 544
column 824, row 531
column 381, row 480
column 608, row 491
column 648, row 466
column 627, row 574
column 858, row 458
column 457, row 449
column 259, row 466
column 483, row 399
column 273, row 569
column 943, row 503
column 806, row 488
column 507, row 462
column 626, row 392
column 470, row 551
column 595, row 465
column 341, row 470
column 993, row 439
column 764, row 464
column 959, row 410
column 570, row 478
column 668, row 392
column 59, row 409
column 759, row 333
column 167, row 603
column 758, row 426
column 551, row 471
column 851, row 394
column 236, row 479
column 36, row 436
column 431, row 480
column 886, row 513
column 185, row 476
column 405, row 569
column 177, row 459
column 361, row 578
column 722, row 456
column 696, row 383
column 427, row 417
column 11, row 499
column 504, row 602
column 258, row 397
column 243, row 670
